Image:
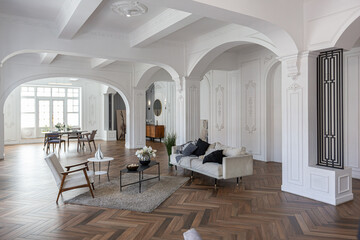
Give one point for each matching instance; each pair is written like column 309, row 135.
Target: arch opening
column 34, row 105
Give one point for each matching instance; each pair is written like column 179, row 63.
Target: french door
column 51, row 112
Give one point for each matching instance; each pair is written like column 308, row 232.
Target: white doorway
column 273, row 115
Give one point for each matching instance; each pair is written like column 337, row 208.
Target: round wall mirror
column 157, row 107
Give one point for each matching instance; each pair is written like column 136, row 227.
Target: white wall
column 352, row 110
column 92, row 111
column 236, row 106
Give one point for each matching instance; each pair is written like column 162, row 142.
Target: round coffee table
column 99, row 172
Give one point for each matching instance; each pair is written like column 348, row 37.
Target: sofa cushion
column 185, row 161
column 189, row 149
column 202, row 147
column 215, row 156
column 213, row 169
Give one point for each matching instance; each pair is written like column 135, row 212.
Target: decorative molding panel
column 343, row 184
column 219, row 107
column 92, row 110
column 294, row 131
column 250, row 98
column 319, row 183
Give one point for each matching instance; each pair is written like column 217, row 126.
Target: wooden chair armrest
column 76, row 170
column 75, row 165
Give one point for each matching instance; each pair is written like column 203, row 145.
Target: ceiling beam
column 73, row 14
column 97, row 63
column 162, row 25
column 47, row 58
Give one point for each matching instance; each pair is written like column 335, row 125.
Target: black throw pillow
column 215, row 156
column 202, row 147
column 189, row 149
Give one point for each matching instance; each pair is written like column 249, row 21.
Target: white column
column 2, row 133
column 137, row 121
column 300, row 175
column 187, row 109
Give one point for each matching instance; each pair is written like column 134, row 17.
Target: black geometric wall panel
column 330, row 122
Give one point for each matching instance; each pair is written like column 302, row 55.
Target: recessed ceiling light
column 129, row 8
column 73, row 79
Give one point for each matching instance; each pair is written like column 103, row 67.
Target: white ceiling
column 105, row 19
column 37, row 9
column 196, row 29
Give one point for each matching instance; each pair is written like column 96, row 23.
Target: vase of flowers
column 145, row 154
column 60, row 126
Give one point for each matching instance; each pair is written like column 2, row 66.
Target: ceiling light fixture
column 129, row 8
column 59, row 83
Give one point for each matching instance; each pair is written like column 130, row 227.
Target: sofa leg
column 215, row 183
column 192, row 175
column 237, row 181
column 175, row 167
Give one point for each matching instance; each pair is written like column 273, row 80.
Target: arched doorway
column 36, row 106
column 273, row 114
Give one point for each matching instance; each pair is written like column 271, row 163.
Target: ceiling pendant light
column 129, row 8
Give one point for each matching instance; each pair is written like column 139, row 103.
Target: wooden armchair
column 87, row 137
column 73, row 135
column 70, row 179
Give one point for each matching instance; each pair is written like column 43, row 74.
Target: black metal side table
column 140, row 171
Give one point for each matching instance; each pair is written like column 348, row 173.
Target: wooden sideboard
column 155, row 131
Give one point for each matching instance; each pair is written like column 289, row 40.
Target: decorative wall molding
column 343, row 184
column 294, row 87
column 92, row 110
column 219, row 107
column 268, row 58
column 319, row 182
column 250, row 98
column 294, row 131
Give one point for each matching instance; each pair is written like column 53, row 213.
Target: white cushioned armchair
column 70, row 179
column 235, row 164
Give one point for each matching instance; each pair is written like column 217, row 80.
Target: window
column 43, row 107
column 27, row 113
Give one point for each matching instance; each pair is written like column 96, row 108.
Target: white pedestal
column 329, row 185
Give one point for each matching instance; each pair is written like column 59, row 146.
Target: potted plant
column 145, row 154
column 169, row 142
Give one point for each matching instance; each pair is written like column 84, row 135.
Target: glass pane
column 73, row 92
column 73, row 119
column 43, row 92
column 27, row 105
column 72, row 105
column 44, row 113
column 58, row 92
column 28, row 91
column 58, row 112
column 27, row 120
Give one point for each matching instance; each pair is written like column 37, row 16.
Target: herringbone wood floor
column 256, row 209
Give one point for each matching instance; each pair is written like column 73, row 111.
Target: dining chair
column 73, row 135
column 70, row 179
column 86, row 137
column 54, row 138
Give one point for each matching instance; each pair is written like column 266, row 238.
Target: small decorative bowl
column 132, row 166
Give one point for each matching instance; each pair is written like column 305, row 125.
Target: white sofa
column 236, row 164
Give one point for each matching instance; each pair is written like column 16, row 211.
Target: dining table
column 62, row 133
